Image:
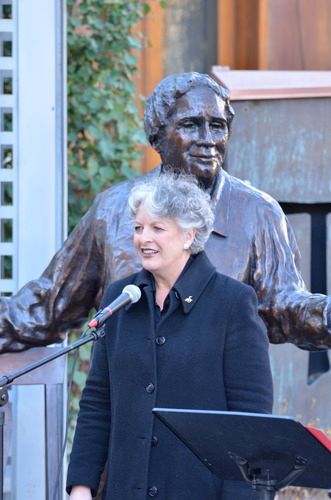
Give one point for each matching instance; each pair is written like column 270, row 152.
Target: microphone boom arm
column 8, row 378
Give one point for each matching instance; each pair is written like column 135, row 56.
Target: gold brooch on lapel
column 189, row 299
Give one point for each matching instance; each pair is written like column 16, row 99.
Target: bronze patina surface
column 188, row 120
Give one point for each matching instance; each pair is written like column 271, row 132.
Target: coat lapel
column 189, row 286
column 192, row 282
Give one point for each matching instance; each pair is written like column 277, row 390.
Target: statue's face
column 194, row 140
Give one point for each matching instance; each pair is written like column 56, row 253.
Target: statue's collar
column 221, row 203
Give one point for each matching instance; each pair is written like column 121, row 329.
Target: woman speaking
column 194, row 340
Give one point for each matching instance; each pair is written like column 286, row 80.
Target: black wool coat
column 209, row 351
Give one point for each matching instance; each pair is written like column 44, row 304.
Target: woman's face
column 159, row 243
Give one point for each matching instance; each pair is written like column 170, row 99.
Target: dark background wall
column 190, row 36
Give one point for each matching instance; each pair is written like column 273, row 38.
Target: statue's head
column 188, row 121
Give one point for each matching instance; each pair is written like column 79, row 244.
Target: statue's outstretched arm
column 292, row 313
column 61, row 298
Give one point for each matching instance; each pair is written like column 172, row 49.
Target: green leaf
column 92, row 165
column 79, row 378
column 146, row 8
column 104, row 128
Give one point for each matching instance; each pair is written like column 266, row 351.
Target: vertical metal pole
column 318, row 361
column 2, row 421
column 265, row 494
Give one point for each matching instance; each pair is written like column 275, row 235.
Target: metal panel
column 54, row 420
column 52, row 373
column 29, row 397
column 293, row 396
column 283, row 147
column 29, row 453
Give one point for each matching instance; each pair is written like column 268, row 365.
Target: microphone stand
column 8, row 378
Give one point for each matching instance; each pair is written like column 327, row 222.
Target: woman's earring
column 186, row 246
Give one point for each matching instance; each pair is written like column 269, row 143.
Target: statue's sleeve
column 62, row 297
column 291, row 313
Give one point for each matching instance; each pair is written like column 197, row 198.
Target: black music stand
column 267, row 451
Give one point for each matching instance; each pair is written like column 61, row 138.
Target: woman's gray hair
column 176, row 197
column 162, row 102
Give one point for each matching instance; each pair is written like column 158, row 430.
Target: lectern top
column 268, row 442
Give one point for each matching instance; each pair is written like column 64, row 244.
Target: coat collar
column 190, row 284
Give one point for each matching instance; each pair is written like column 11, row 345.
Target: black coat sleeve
column 90, row 447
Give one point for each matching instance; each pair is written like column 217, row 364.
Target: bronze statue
column 188, row 121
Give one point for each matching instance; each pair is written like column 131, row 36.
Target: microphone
column 130, row 294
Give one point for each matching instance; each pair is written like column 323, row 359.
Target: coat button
column 160, row 340
column 153, row 491
column 155, row 440
column 150, row 388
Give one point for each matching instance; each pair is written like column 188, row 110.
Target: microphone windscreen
column 133, row 291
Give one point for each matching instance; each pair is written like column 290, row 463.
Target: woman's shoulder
column 231, row 285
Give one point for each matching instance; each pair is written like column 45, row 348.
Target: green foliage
column 104, row 130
